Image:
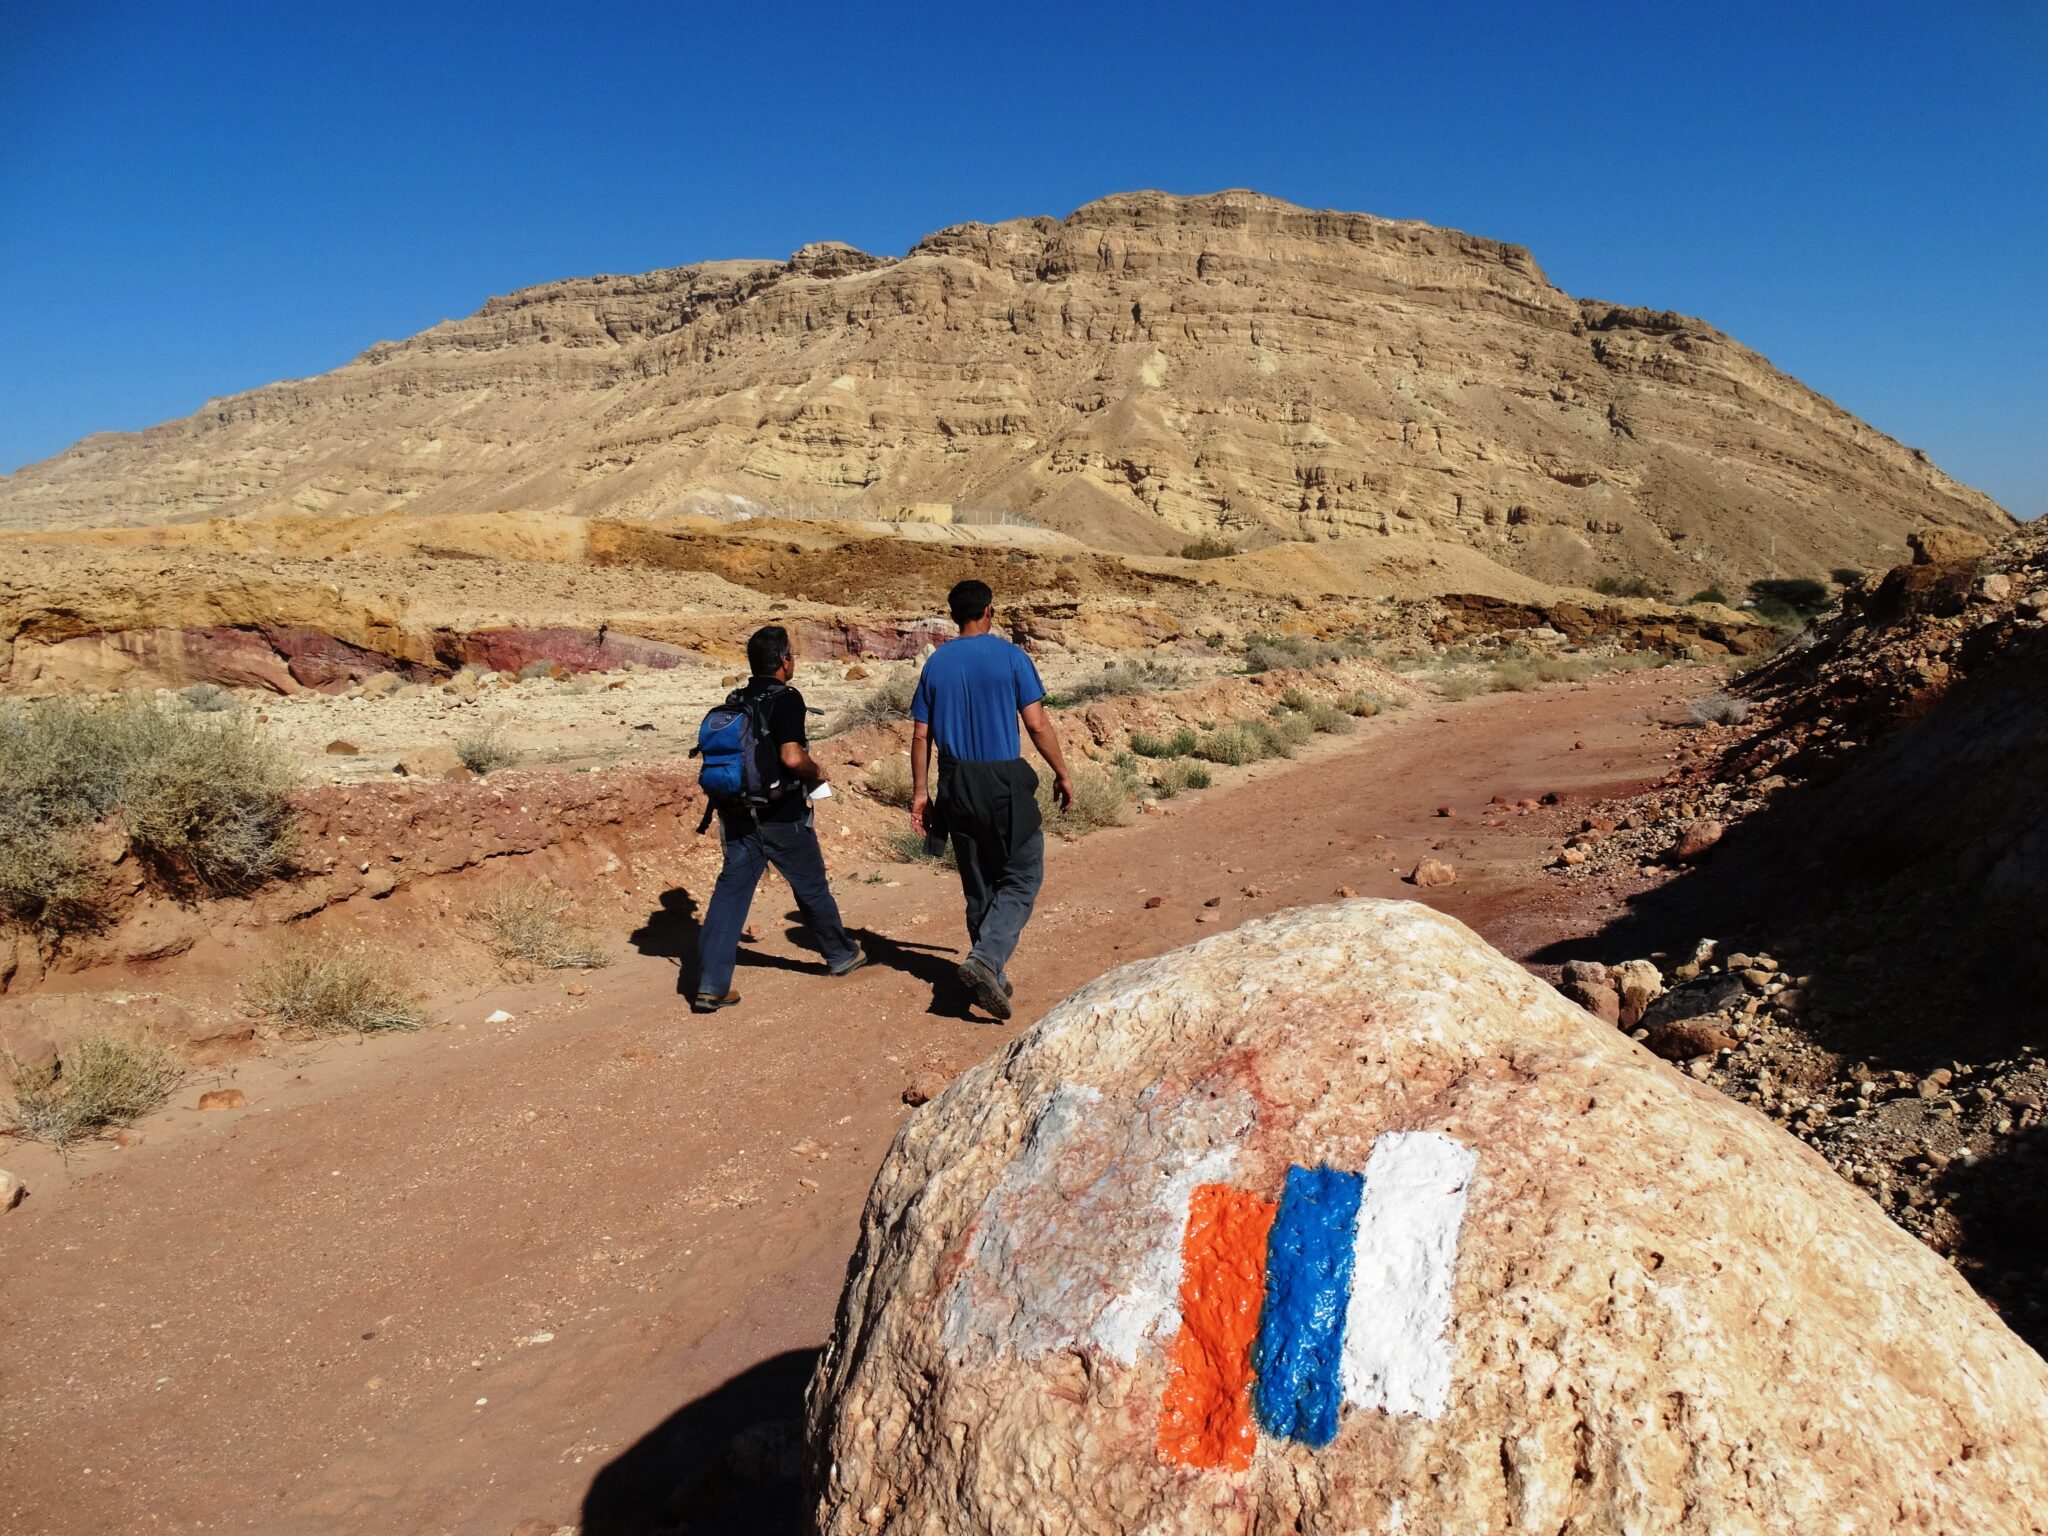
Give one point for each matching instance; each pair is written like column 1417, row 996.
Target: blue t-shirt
column 969, row 693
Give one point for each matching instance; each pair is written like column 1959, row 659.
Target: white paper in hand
column 822, row 792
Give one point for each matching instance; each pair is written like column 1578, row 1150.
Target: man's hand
column 1063, row 791
column 919, row 804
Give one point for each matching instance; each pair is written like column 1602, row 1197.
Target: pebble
column 12, row 1190
column 224, row 1098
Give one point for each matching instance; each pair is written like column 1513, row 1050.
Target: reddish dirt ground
column 438, row 1283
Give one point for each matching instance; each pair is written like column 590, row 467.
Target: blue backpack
column 733, row 743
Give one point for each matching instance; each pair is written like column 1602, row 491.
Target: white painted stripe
column 1397, row 1353
column 1149, row 1306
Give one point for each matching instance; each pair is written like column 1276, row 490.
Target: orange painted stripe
column 1205, row 1418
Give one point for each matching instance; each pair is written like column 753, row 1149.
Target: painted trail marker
column 1338, row 1294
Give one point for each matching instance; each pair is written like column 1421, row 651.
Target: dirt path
column 439, row 1283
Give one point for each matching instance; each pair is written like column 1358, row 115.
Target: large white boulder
column 1343, row 1223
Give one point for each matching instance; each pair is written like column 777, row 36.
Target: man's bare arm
column 920, row 753
column 1039, row 726
column 800, row 762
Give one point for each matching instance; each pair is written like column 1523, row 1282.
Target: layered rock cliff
column 1148, row 370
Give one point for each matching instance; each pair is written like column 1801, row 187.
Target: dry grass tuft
column 103, row 1080
column 484, row 749
column 888, row 700
column 1232, row 744
column 1179, row 744
column 531, row 922
column 1119, row 681
column 889, row 781
column 1177, row 774
column 1100, row 800
column 1718, row 709
column 328, row 990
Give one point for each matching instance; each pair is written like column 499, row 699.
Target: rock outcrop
column 1149, row 370
column 1126, row 1276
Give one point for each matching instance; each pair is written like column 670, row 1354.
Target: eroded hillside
column 1149, row 370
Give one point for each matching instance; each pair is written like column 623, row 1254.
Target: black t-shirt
column 783, row 719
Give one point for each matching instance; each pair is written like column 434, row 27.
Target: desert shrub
column 906, row 846
column 1283, row 735
column 205, row 803
column 103, row 1080
column 1208, row 547
column 1328, row 719
column 1788, row 601
column 1709, row 595
column 889, row 780
column 327, row 990
column 1359, row 705
column 1176, row 774
column 1625, row 586
column 1100, row 800
column 208, row 699
column 535, row 670
column 531, row 922
column 1230, row 744
column 1126, row 677
column 484, row 749
column 1718, row 709
column 888, row 700
column 1179, row 744
column 1845, row 575
column 1269, row 653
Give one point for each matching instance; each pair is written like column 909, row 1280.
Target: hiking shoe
column 848, row 967
column 986, row 985
column 704, row 1002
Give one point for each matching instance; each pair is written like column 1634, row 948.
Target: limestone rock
column 1574, row 1292
column 12, row 1191
column 1432, row 872
column 1940, row 546
column 1640, row 984
column 1696, row 838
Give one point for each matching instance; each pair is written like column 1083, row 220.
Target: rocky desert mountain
column 1147, row 371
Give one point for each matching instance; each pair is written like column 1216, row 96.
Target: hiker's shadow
column 727, row 1464
column 673, row 931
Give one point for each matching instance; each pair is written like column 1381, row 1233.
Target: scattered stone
column 1638, row 984
column 924, row 1087
column 223, row 1098
column 12, row 1191
column 858, row 673
column 1154, row 901
column 1432, row 872
column 1696, row 838
column 1213, row 901
column 499, row 1017
column 1345, row 893
column 339, row 748
column 1942, row 546
column 1445, row 810
column 575, row 989
column 1689, row 1038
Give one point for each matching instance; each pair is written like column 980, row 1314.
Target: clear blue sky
column 196, row 198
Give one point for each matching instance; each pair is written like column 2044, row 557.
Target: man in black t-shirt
column 779, row 833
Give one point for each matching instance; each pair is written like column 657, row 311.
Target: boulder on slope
column 1125, row 1276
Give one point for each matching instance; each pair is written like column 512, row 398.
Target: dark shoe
column 986, row 986
column 704, row 1002
column 848, row 967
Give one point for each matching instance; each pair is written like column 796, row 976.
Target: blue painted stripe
column 1308, row 1288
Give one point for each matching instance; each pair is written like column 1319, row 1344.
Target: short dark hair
column 767, row 648
column 969, row 601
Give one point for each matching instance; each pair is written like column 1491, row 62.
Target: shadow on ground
column 729, row 1463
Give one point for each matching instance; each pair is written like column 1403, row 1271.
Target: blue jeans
column 792, row 847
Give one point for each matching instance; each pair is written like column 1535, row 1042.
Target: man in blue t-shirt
column 970, row 696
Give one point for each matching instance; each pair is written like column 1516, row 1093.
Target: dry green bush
column 103, row 1080
column 327, row 990
column 888, row 700
column 1232, row 744
column 1119, row 681
column 209, row 699
column 1270, row 653
column 483, row 749
column 205, row 803
column 1179, row 744
column 1328, row 719
column 889, row 780
column 1359, row 705
column 1208, row 547
column 907, row 846
column 1173, row 775
column 535, row 923
column 1100, row 800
